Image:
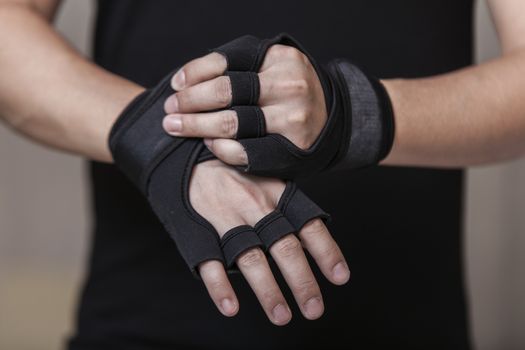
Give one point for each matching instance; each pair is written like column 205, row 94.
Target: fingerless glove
column 359, row 130
column 161, row 166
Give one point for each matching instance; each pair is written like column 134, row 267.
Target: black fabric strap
column 298, row 208
column 242, row 54
column 238, row 240
column 273, row 227
column 161, row 166
column 245, row 88
column 251, row 122
column 293, row 211
column 137, row 135
column 367, row 105
column 196, row 239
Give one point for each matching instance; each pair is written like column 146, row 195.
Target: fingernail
column 313, row 308
column 179, row 80
column 281, row 314
column 173, row 123
column 208, row 143
column 341, row 272
column 228, row 306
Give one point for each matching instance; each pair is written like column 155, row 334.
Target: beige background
column 44, row 231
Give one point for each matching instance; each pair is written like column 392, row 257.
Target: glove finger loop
column 298, row 208
column 236, row 241
column 251, row 122
column 245, row 88
column 272, row 228
column 272, row 155
column 242, row 53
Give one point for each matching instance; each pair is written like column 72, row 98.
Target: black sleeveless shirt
column 400, row 228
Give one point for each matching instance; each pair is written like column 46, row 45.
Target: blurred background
column 44, row 230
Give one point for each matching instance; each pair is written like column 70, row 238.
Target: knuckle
column 189, row 72
column 223, row 90
column 218, row 59
column 303, row 132
column 298, row 87
column 291, row 52
column 278, row 50
column 288, row 246
column 216, row 285
column 287, row 52
column 229, row 124
column 251, row 258
column 229, row 152
column 183, row 99
column 187, row 123
column 193, row 68
column 271, row 297
column 306, row 288
column 313, row 228
column 298, row 118
column 330, row 253
column 212, row 275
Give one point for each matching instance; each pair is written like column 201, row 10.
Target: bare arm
column 59, row 98
column 471, row 116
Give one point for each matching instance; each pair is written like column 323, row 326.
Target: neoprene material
column 251, row 122
column 359, row 131
column 161, row 165
column 293, row 211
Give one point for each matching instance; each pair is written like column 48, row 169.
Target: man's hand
column 227, row 198
column 291, row 98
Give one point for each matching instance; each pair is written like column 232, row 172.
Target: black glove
column 359, row 130
column 161, row 165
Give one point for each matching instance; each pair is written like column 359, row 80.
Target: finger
column 289, row 256
column 225, row 123
column 222, row 124
column 325, row 251
column 199, row 70
column 216, row 93
column 219, row 287
column 273, row 86
column 206, row 96
column 229, row 151
column 279, row 84
column 255, row 268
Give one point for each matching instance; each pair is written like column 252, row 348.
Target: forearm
column 52, row 94
column 468, row 117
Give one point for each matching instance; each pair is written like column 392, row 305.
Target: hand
column 227, row 198
column 291, row 98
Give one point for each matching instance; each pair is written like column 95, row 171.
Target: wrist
column 398, row 152
column 364, row 105
column 97, row 131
